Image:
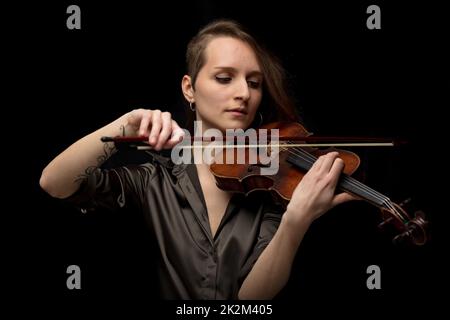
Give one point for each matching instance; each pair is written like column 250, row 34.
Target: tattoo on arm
column 108, row 150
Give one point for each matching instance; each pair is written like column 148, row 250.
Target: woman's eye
column 223, row 79
column 254, row 84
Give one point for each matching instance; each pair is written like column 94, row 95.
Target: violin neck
column 346, row 183
column 351, row 185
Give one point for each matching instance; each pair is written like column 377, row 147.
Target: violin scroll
column 412, row 230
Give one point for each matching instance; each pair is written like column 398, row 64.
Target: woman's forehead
column 230, row 52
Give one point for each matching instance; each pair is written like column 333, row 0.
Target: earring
column 191, row 107
column 260, row 119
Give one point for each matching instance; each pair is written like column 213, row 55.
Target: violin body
column 294, row 163
column 245, row 178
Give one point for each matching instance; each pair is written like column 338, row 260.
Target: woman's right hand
column 162, row 131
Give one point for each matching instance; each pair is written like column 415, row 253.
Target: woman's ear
column 187, row 88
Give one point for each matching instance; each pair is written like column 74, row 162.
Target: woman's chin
column 234, row 124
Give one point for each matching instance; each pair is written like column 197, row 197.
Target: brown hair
column 278, row 99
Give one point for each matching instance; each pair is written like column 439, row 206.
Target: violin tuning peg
column 415, row 234
column 405, row 202
column 403, row 238
column 420, row 215
column 385, row 223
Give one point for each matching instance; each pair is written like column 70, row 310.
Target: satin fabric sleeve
column 113, row 189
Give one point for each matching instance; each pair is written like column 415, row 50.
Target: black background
column 347, row 80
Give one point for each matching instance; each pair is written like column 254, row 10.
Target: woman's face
column 228, row 88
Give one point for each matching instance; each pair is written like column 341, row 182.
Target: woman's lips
column 237, row 112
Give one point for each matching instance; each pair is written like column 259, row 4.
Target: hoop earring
column 191, row 107
column 260, row 119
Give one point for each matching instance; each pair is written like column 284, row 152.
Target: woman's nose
column 242, row 90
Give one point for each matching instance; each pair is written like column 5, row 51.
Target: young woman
column 212, row 244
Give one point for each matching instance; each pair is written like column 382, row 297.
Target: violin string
column 353, row 182
column 310, row 159
column 386, row 202
column 398, row 213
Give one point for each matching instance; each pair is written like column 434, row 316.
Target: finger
column 328, row 162
column 145, row 122
column 156, row 127
column 317, row 164
column 166, row 120
column 342, row 197
column 335, row 171
column 178, row 135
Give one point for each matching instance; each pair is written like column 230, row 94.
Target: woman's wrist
column 294, row 228
column 119, row 127
column 297, row 217
column 125, row 128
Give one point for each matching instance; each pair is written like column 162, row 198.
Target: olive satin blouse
column 192, row 264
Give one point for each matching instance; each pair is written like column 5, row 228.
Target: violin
column 295, row 159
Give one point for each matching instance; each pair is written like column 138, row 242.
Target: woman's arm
column 63, row 175
column 313, row 196
column 271, row 271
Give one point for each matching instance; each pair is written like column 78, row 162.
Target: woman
column 212, row 244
